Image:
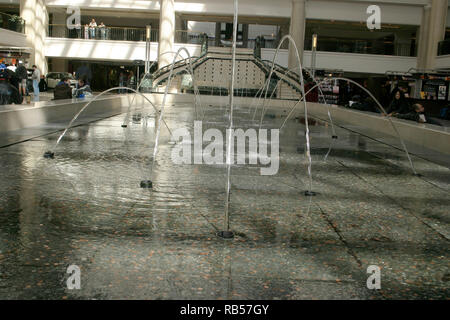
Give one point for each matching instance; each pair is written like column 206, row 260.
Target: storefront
column 14, row 56
column 430, row 89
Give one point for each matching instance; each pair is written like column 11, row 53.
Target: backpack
column 62, row 91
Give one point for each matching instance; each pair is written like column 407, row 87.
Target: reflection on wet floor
column 85, row 207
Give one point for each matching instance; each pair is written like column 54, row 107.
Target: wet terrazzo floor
column 85, row 207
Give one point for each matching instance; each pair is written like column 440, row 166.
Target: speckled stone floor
column 85, row 207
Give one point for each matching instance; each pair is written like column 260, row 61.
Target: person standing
column 36, row 77
column 78, row 30
column 22, row 75
column 102, row 29
column 92, row 28
column 86, row 31
column 131, row 80
column 121, row 82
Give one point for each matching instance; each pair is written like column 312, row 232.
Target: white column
column 166, row 32
column 422, row 38
column 432, row 31
column 28, row 13
column 36, row 23
column 297, row 31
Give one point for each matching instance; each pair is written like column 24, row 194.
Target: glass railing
column 12, row 22
column 121, row 34
column 189, row 37
column 266, row 43
column 444, row 47
column 101, row 33
column 379, row 47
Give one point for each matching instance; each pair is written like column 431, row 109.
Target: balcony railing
column 120, row 34
column 379, row 47
column 12, row 22
column 101, row 33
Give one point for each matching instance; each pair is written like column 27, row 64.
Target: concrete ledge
column 16, row 117
column 426, row 136
column 12, row 39
column 374, row 125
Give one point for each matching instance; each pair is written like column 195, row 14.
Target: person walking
column 36, row 77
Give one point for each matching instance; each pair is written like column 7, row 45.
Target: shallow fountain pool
column 85, row 207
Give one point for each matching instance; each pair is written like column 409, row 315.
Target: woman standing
column 131, row 80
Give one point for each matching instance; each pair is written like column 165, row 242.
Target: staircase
column 212, row 73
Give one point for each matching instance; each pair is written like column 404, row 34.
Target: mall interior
column 351, row 98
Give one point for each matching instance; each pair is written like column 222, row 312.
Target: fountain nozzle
column 49, row 155
column 146, row 184
column 225, row 234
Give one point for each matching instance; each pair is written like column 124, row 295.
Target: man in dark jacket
column 63, row 90
column 22, row 75
column 418, row 115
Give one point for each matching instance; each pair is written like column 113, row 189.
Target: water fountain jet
column 190, row 71
column 51, row 154
column 226, row 233
column 378, row 105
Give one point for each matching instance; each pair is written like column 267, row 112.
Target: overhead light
column 314, row 43
column 148, row 32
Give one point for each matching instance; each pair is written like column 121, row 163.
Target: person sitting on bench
column 63, row 90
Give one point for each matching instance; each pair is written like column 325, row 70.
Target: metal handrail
column 178, row 64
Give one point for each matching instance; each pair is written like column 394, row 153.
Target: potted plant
column 16, row 23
